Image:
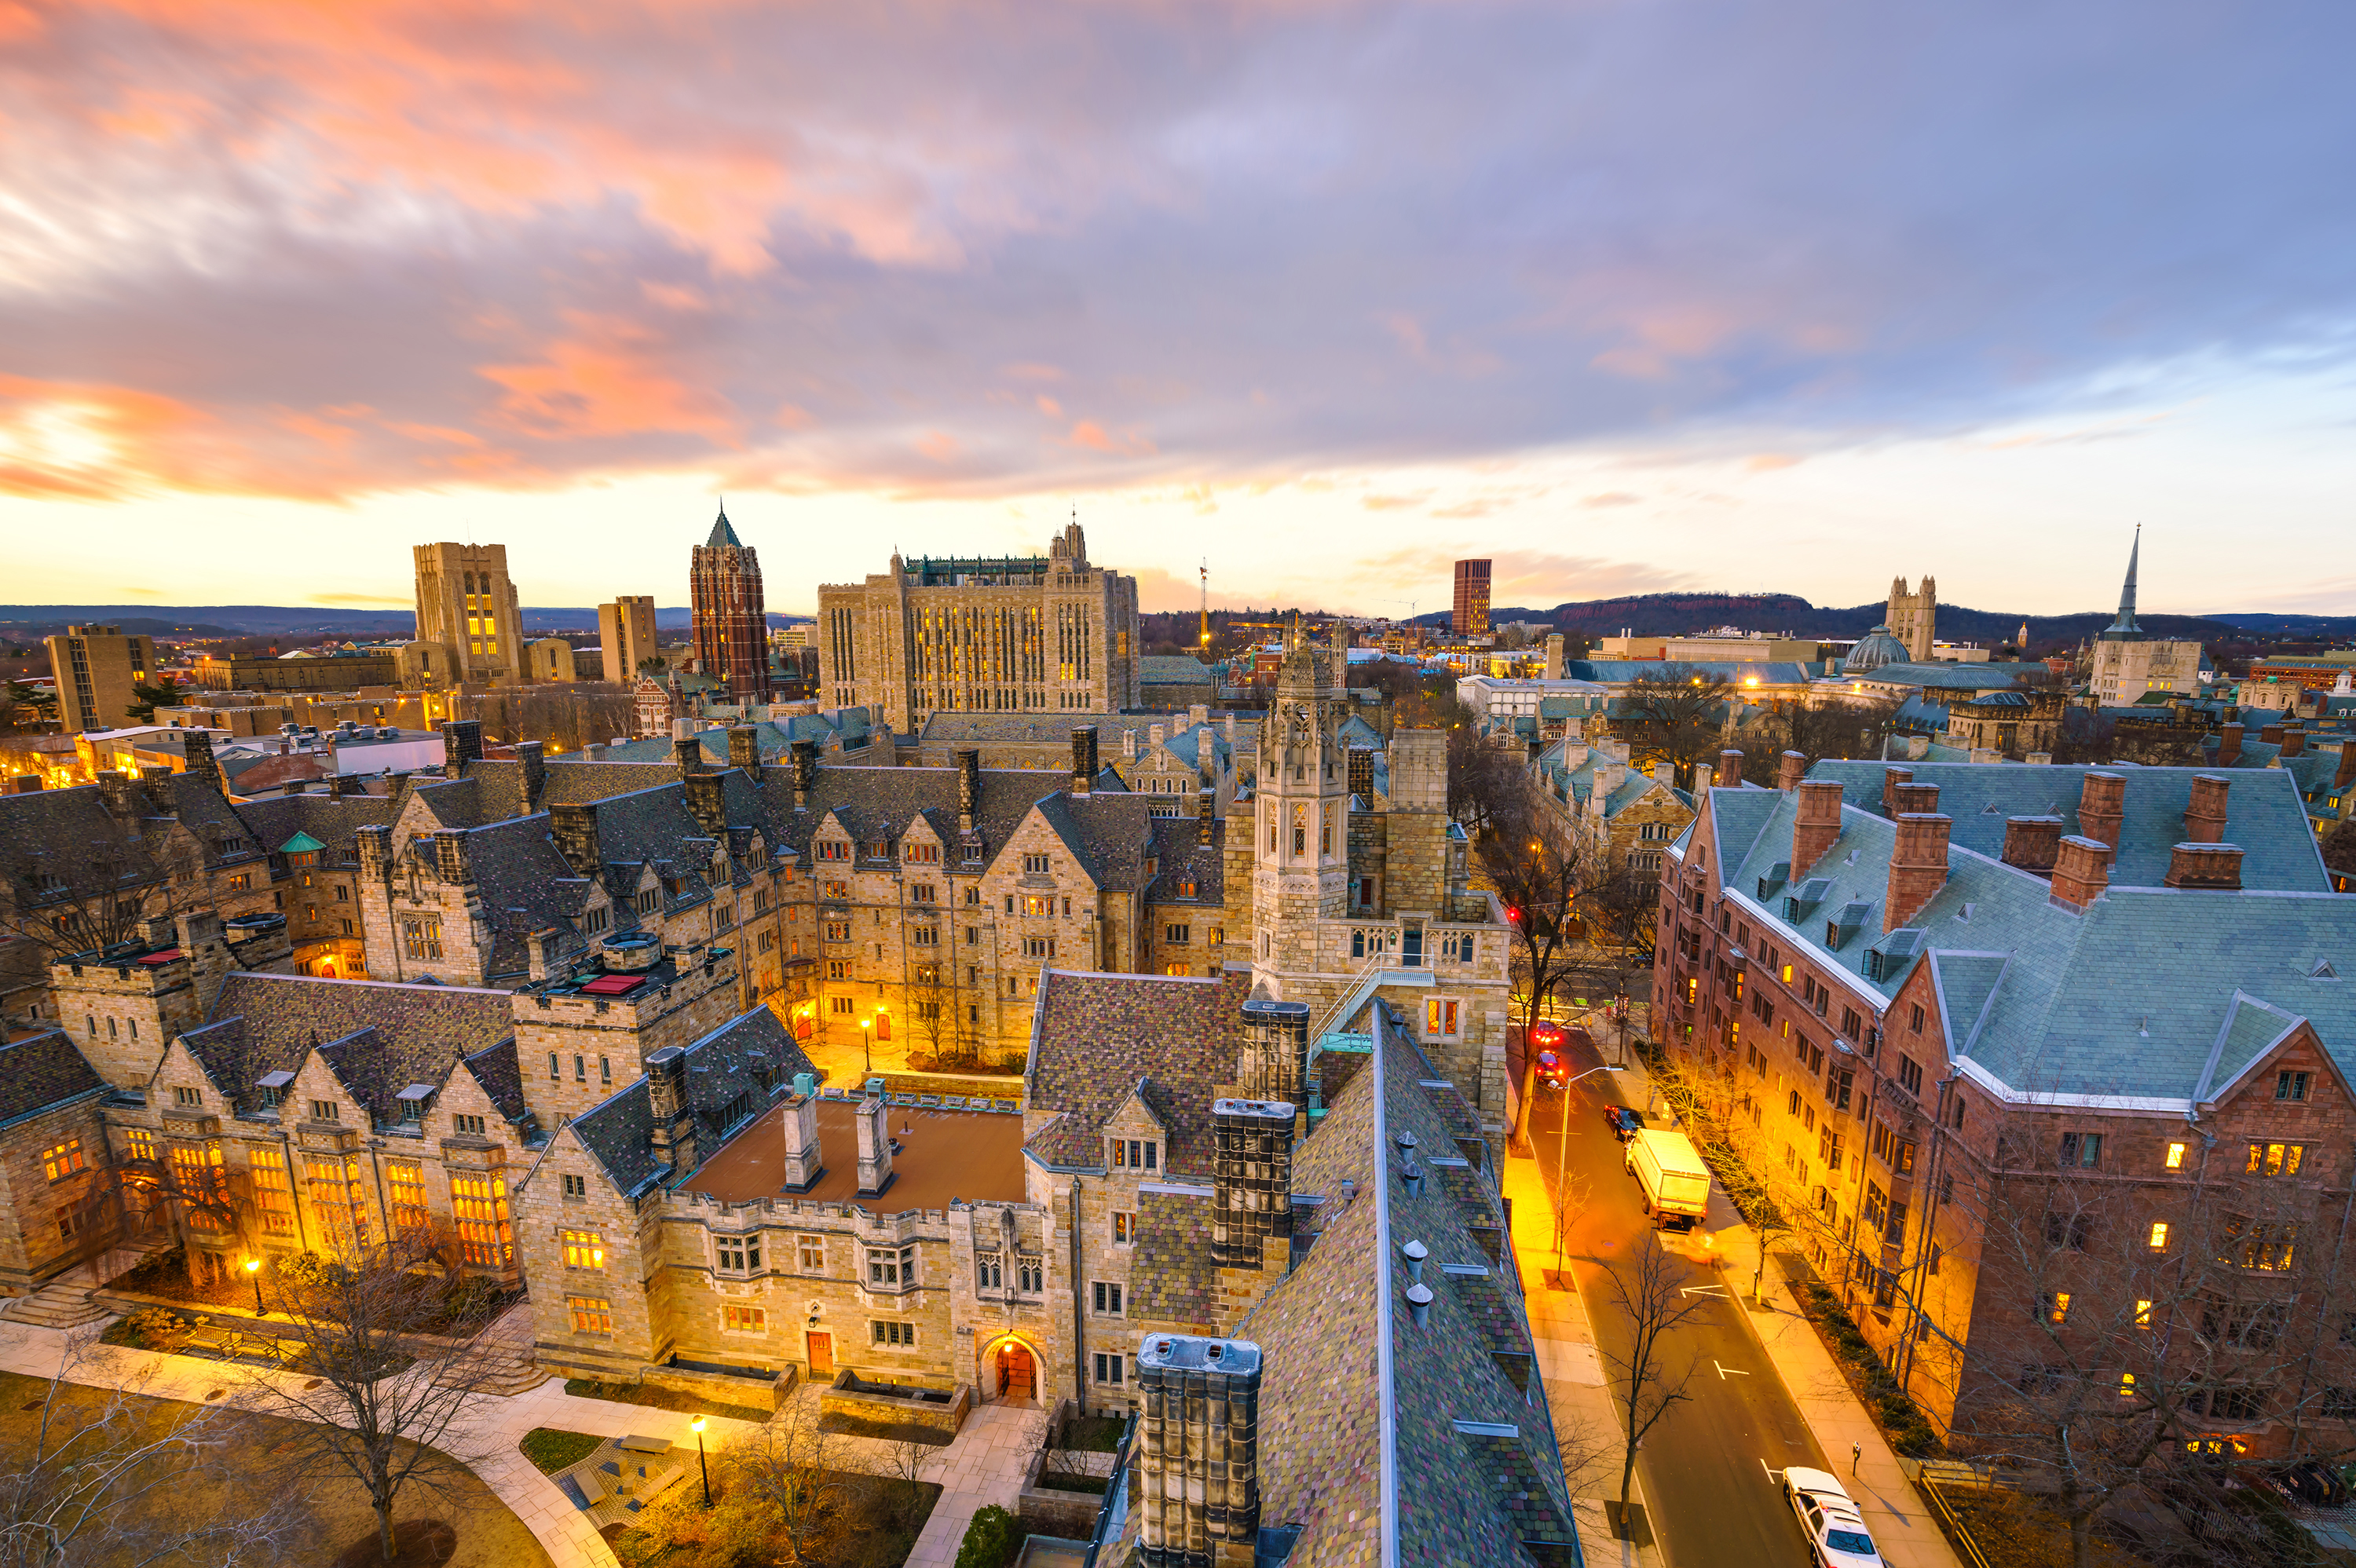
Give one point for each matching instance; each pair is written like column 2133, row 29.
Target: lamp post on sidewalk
column 701, row 1463
column 253, row 1273
column 1562, row 1158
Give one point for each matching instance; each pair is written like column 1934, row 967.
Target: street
column 1705, row 1465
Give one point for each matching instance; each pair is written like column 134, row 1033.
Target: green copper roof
column 723, row 533
column 301, row 844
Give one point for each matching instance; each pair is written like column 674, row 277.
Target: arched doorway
column 1010, row 1373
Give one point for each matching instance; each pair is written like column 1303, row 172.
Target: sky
column 1671, row 295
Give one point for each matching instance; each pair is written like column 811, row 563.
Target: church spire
column 723, row 532
column 2123, row 629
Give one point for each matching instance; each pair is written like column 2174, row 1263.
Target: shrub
column 992, row 1539
column 158, row 1328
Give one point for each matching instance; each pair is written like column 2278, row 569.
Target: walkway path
column 984, row 1464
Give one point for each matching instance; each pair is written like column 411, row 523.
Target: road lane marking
column 1717, row 1290
column 1770, row 1474
column 1724, row 1371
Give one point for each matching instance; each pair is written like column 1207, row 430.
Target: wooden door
column 821, row 1353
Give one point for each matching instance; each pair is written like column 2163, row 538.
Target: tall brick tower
column 731, row 629
column 1300, row 869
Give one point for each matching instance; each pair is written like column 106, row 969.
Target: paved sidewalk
column 984, row 1464
column 1893, row 1510
column 1582, row 1402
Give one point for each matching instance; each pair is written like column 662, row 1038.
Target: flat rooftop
column 943, row 1154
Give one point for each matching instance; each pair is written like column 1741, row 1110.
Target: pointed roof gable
column 723, row 533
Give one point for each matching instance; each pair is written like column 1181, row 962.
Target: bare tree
column 393, row 1364
column 96, row 889
column 1682, row 719
column 1648, row 1287
column 1856, row 727
column 108, row 1476
column 790, row 1462
column 1534, row 865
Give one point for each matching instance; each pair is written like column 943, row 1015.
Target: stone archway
column 1011, row 1372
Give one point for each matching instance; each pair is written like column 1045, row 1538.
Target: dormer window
column 924, row 854
column 831, row 849
column 1136, row 1153
column 414, row 1100
column 597, row 919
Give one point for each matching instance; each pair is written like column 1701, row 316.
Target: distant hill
column 1672, row 615
column 27, row 623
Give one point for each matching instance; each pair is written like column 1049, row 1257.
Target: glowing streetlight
column 696, row 1425
column 253, row 1273
column 866, row 1038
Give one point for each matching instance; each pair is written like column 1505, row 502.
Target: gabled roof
column 618, row 1132
column 1098, row 1036
column 269, row 1023
column 42, row 1072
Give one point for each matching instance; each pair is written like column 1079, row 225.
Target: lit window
column 2057, row 1307
column 585, row 1249
column 811, row 1251
column 2160, row 1235
column 2176, row 1156
column 591, row 1313
column 2143, row 1314
column 63, row 1160
column 744, row 1320
column 1124, row 1229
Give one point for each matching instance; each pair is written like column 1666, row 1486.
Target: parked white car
column 1836, row 1534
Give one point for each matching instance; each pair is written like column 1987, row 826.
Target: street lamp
column 1563, row 1156
column 697, row 1426
column 253, row 1273
column 866, row 1038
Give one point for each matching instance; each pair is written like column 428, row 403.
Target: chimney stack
column 1891, row 779
column 197, row 746
column 2101, row 807
column 1276, row 1050
column 2031, row 842
column 674, row 1119
column 707, row 802
column 1362, row 775
column 1198, row 1452
column 1916, row 797
column 545, row 946
column 968, row 790
column 2205, row 864
column 533, row 755
column 1729, row 770
column 2229, row 745
column 2204, row 817
column 2345, row 774
column 2081, row 870
column 744, row 750
column 1918, row 865
column 450, row 855
column 805, row 771
column 573, row 824
column 805, row 1160
column 2293, row 741
column 1206, row 814
column 1251, row 1201
column 121, row 794
column 2271, row 734
column 462, row 742
column 1084, row 758
column 687, row 755
column 874, row 1145
column 1816, row 823
column 1794, row 767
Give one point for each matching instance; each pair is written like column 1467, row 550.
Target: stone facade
column 1016, row 634
column 731, row 629
column 469, row 626
column 96, row 668
column 1912, row 617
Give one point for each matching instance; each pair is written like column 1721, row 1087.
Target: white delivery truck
column 1675, row 1182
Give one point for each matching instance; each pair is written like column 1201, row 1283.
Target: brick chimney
column 1917, row 865
column 707, row 802
column 2271, row 734
column 2101, row 807
column 673, row 1138
column 2081, row 870
column 2205, row 815
column 1251, row 1180
column 375, row 842
column 805, row 1160
column 462, row 742
column 1084, row 758
column 2031, row 842
column 450, row 855
column 1206, row 814
column 2206, row 864
column 1197, row 1460
column 2293, row 741
column 1916, row 797
column 1729, row 770
column 1793, row 768
column 1891, row 779
column 745, row 750
column 1817, row 825
column 533, row 755
column 874, row 1145
column 121, row 794
column 197, row 746
column 805, row 771
column 2345, row 774
column 968, row 790
column 2229, row 745
column 573, row 824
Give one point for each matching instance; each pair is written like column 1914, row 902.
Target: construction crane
column 1205, row 643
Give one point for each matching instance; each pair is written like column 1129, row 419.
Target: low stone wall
column 903, row 1405
column 725, row 1388
column 1073, row 1514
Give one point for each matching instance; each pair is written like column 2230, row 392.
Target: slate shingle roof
column 269, row 1023
column 42, row 1072
column 730, row 1061
column 1099, row 1035
column 1172, row 1279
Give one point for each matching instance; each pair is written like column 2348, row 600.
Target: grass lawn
column 837, row 1424
column 552, row 1450
column 655, row 1398
column 489, row 1536
column 2018, row 1532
